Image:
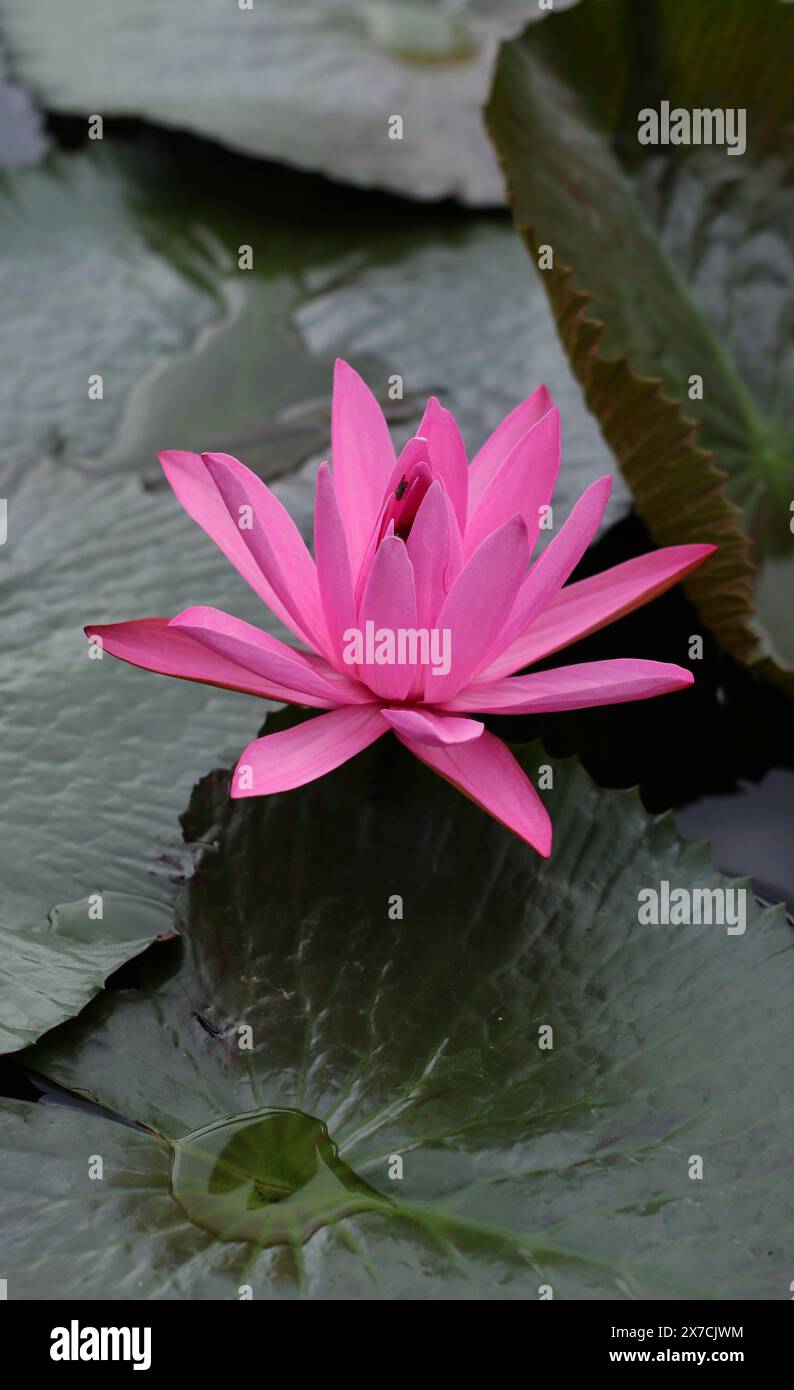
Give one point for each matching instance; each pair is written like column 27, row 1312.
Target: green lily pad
column 395, row 1055
column 114, row 262
column 672, row 275
column 54, row 969
column 312, row 84
column 112, row 266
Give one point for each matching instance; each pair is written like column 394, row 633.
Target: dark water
column 19, row 1082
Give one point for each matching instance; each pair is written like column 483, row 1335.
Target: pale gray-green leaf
column 304, row 81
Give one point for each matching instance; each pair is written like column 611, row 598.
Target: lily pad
column 53, row 970
column 672, row 281
column 113, row 264
column 499, row 1089
column 109, row 270
column 313, row 84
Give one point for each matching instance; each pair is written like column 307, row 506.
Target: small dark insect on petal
column 401, row 486
column 208, row 1027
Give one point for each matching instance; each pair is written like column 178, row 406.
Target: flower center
column 405, row 501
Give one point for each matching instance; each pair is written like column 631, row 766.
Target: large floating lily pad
column 313, row 84
column 361, row 1098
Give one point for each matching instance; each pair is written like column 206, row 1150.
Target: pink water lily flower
column 421, row 602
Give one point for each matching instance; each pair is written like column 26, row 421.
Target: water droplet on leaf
column 272, row 1176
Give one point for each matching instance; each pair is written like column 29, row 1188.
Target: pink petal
column 266, row 656
column 523, row 483
column 590, row 604
column 156, row 646
column 435, row 551
column 447, row 453
column 363, row 458
column 413, row 453
column 477, row 606
column 555, row 564
column 486, row 771
column 388, row 602
column 494, row 451
column 279, row 762
column 574, row 687
column 275, row 543
column 198, row 493
column 422, row 726
column 333, row 563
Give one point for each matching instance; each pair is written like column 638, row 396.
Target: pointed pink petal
column 477, row 606
column 555, row 564
column 333, row 564
column 435, row 551
column 524, row 483
column 415, row 451
column 582, row 686
column 414, row 454
column 279, row 762
column 388, row 602
column 156, row 646
column 422, row 726
column 486, row 771
column 275, row 543
column 494, row 451
column 590, row 604
column 363, row 457
column 198, row 493
column 266, row 656
column 447, row 453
